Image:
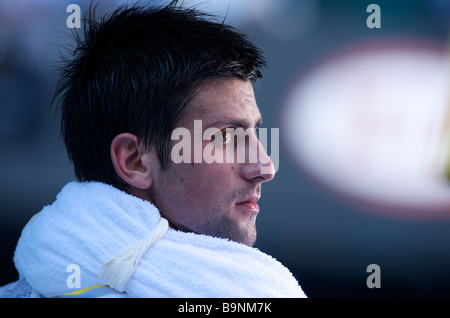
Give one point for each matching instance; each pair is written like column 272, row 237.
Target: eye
column 223, row 136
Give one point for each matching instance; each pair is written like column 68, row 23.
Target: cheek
column 194, row 186
column 210, row 181
column 196, row 194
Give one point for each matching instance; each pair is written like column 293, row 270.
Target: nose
column 262, row 170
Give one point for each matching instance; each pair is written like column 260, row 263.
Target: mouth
column 249, row 204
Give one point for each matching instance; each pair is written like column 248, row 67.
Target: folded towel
column 119, row 240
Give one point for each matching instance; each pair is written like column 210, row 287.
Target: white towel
column 122, row 241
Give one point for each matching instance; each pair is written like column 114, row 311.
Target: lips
column 250, row 204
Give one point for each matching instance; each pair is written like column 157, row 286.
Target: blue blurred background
column 325, row 236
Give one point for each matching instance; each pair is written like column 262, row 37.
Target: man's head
column 138, row 74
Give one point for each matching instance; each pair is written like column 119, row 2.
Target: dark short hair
column 134, row 70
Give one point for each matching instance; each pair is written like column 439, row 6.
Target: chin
column 232, row 230
column 244, row 236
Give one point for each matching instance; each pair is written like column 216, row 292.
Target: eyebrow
column 239, row 123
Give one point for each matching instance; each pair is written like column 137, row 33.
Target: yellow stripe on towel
column 83, row 290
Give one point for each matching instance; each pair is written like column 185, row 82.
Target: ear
column 131, row 160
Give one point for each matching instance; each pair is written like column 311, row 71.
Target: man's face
column 216, row 199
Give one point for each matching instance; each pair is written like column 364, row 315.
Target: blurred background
column 363, row 119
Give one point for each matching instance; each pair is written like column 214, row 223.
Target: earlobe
column 131, row 161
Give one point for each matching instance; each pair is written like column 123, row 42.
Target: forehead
column 221, row 99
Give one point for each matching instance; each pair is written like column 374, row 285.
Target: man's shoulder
column 17, row 289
